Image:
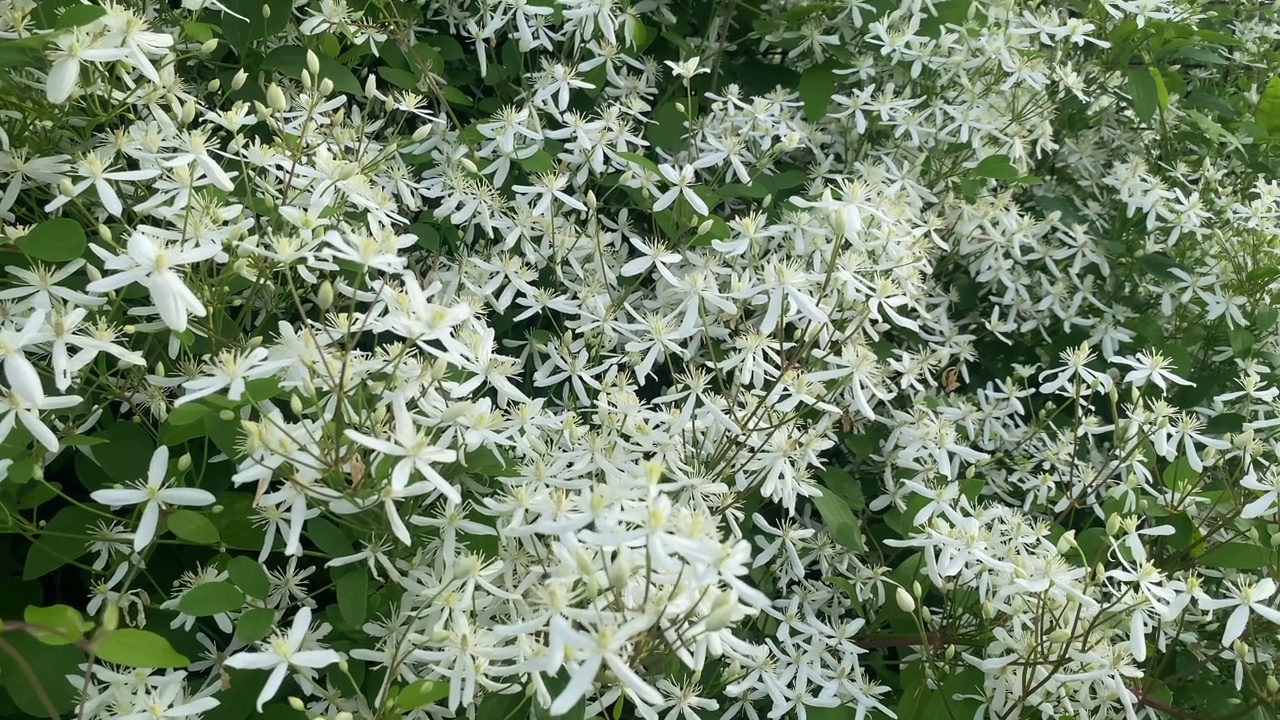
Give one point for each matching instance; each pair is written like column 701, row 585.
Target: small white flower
column 155, row 495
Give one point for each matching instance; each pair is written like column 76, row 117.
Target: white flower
column 1246, row 597
column 156, row 496
column 280, row 653
column 1149, row 366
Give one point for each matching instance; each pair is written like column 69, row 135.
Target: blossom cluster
column 687, row 360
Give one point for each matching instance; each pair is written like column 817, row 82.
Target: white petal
column 147, row 526
column 187, row 496
column 62, row 79
column 116, row 498
column 1235, row 625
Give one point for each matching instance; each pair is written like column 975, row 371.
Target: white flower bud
column 188, row 112
column 1059, row 636
column 1113, row 524
column 306, row 79
column 1067, row 541
column 904, row 600
column 208, row 46
column 295, row 404
column 65, row 187
column 275, row 98
column 111, row 615
column 266, row 11
column 705, row 227
column 421, row 133
column 184, row 462
column 226, row 415
column 313, row 63
column 1272, row 684
column 238, row 80
column 326, row 86
column 722, row 612
column 296, row 703
column 324, row 296
column 214, row 85
column 344, row 715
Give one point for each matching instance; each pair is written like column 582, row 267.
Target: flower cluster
column 687, row 360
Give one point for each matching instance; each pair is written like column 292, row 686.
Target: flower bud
column 306, row 79
column 184, row 462
column 296, row 703
column 1273, row 685
column 313, row 63
column 238, row 80
column 275, row 98
column 326, row 86
column 214, row 85
column 226, row 415
column 209, row 46
column 1113, row 524
column 722, row 610
column 324, row 296
column 266, row 11
column 1067, row 541
column 344, row 715
column 705, row 227
column 905, row 602
column 65, row 187
column 111, row 615
column 422, row 132
column 1059, row 636
column 188, row 112
column 295, row 404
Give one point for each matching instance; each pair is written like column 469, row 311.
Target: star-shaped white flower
column 156, row 496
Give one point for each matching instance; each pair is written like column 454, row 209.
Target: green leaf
column 996, row 167
column 667, row 129
column 840, row 520
column 192, row 412
column 193, row 527
column 1225, row 423
column 61, row 541
column 422, row 692
column 1236, row 556
column 403, row 79
column 353, row 595
column 555, row 685
column 35, row 675
column 329, row 538
column 125, row 455
column 254, row 27
column 249, row 576
column 1267, row 113
column 1178, row 475
column 539, row 162
column 817, row 85
column 292, row 60
column 1265, row 318
column 57, row 240
column 78, row 16
column 1143, row 93
column 211, row 599
column 640, row 160
column 138, row 648
column 255, row 624
column 56, row 624
column 1241, row 341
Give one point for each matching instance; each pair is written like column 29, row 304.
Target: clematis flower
column 155, row 495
